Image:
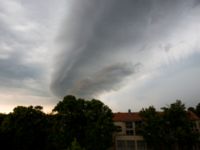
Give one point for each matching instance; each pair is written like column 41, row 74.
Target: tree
column 192, row 109
column 68, row 123
column 2, row 136
column 99, row 125
column 170, row 129
column 24, row 129
column 179, row 131
column 89, row 122
column 75, row 146
column 151, row 128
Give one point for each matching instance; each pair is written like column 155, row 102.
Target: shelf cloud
column 102, row 37
column 130, row 53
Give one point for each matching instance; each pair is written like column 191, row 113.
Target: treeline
column 174, row 128
column 75, row 124
column 78, row 124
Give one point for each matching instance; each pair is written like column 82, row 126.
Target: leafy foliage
column 152, row 129
column 24, row 128
column 75, row 146
column 169, row 129
column 179, row 127
column 75, row 124
column 90, row 122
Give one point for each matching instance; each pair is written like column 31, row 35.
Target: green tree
column 24, row 129
column 151, row 128
column 192, row 109
column 170, row 129
column 179, row 131
column 2, row 117
column 90, row 122
column 68, row 123
column 75, row 146
column 99, row 126
column 2, row 136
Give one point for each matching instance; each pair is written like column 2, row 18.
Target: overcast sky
column 129, row 54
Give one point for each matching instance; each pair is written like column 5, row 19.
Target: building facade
column 128, row 136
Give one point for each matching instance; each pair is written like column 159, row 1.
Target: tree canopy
column 90, row 122
column 24, row 128
column 169, row 129
column 75, row 124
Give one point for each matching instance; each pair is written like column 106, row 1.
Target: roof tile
column 126, row 117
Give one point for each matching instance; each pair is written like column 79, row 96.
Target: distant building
column 128, row 135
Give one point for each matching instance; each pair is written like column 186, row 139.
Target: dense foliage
column 76, row 124
column 170, row 129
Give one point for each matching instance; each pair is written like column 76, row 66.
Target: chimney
column 129, row 110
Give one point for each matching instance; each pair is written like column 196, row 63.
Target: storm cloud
column 99, row 36
column 127, row 53
column 24, row 42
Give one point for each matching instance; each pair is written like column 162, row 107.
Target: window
column 129, row 125
column 138, row 123
column 129, row 128
column 118, row 128
column 138, row 127
column 129, row 132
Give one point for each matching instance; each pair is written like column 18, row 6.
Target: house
column 128, row 135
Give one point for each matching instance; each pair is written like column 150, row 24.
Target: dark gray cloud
column 14, row 71
column 14, row 53
column 98, row 34
column 27, row 30
column 14, row 68
column 95, row 34
column 105, row 80
column 22, row 38
column 101, row 46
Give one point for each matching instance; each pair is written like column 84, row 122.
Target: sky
column 129, row 54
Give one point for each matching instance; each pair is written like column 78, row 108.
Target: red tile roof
column 123, row 117
column 126, row 117
column 192, row 116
